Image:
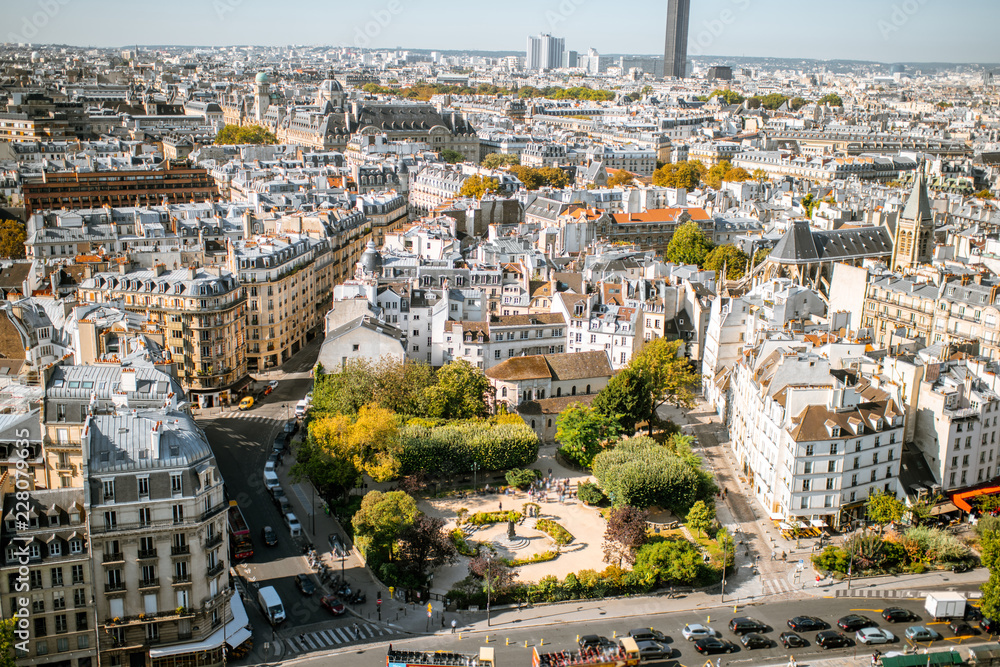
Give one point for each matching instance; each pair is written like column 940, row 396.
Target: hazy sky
column 884, row 30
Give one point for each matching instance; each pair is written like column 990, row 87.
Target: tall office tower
column 675, row 50
column 544, row 52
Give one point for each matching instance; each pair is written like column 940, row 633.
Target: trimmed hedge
column 464, row 546
column 452, row 448
column 561, row 536
column 590, row 494
column 543, row 557
column 483, row 518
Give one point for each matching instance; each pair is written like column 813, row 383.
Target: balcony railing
column 213, row 541
column 114, row 557
column 149, row 583
column 180, row 550
column 182, row 578
column 216, row 569
column 114, row 586
column 147, row 553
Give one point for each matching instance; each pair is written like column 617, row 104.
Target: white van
column 301, row 407
column 294, row 527
column 271, row 480
column 270, row 466
column 270, row 604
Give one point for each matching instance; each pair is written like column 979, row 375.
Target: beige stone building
column 288, row 284
column 202, row 310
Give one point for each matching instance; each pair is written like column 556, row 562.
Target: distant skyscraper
column 544, row 52
column 675, row 50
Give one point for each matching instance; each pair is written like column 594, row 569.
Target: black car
column 961, row 628
column 807, row 624
column 854, row 622
column 792, row 640
column 743, row 625
column 710, row 645
column 989, row 626
column 595, row 641
column 270, row 537
column 752, row 640
column 832, row 639
column 305, row 584
column 279, row 443
column 291, row 427
column 648, row 634
column 897, row 615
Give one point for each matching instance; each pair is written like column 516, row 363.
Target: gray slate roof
column 803, row 245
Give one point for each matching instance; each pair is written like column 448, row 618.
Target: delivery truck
column 945, row 605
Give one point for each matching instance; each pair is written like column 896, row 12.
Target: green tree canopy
column 396, row 385
column 797, row 103
column 671, row 378
column 884, row 508
column 627, row 399
column 8, row 651
column 989, row 550
column 12, row 238
column 247, row 134
column 734, row 259
column 759, row 175
column 831, row 99
column 452, row 156
column 736, row 175
column 583, row 432
column 498, row 160
column 331, row 470
column 727, row 96
column 462, row 391
column 381, row 520
column 534, row 179
column 689, row 245
column 760, row 255
column 685, row 175
column 701, row 516
column 772, row 101
column 477, row 186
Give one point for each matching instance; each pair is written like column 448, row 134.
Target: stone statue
column 510, row 530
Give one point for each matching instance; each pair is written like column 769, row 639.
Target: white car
column 273, row 384
column 694, row 631
column 874, row 636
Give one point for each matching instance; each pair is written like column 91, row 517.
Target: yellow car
column 246, row 403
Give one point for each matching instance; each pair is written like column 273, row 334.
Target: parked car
column 853, row 622
column 333, row 605
column 270, row 537
column 868, row 636
column 279, row 443
column 898, row 615
column 273, row 384
column 919, row 633
column 648, row 634
column 961, row 628
column 807, row 624
column 792, row 640
column 292, row 521
column 650, row 649
column 695, row 631
column 710, row 645
column 595, row 641
column 305, row 584
column 989, row 626
column 743, row 625
column 752, row 640
column 291, row 427
column 336, row 545
column 246, row 403
column 832, row 639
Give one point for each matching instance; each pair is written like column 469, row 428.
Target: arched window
column 588, row 388
column 558, row 391
column 503, row 392
column 550, row 426
column 573, row 390
column 532, row 423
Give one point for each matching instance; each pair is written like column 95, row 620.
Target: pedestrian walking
column 442, row 620
column 357, row 631
column 500, row 505
column 454, row 624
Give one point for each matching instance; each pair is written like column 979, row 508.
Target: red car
column 333, row 605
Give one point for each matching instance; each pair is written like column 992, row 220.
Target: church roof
column 802, row 245
column 918, row 207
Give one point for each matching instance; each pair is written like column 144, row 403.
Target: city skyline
column 883, row 31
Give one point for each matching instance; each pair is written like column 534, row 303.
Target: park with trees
column 391, row 444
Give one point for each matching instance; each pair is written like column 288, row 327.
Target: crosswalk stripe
column 380, row 630
column 294, row 641
column 368, row 628
column 343, row 633
column 330, row 637
column 308, row 639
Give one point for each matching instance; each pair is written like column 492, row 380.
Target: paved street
column 561, row 628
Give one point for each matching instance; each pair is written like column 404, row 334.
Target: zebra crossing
column 320, row 639
column 249, row 417
column 776, row 586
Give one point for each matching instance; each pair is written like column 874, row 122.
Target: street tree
column 627, row 399
column 331, row 471
column 701, row 516
column 989, row 550
column 625, row 533
column 381, row 520
column 245, row 135
column 729, row 256
column 689, row 245
column 374, row 440
column 736, row 175
column 832, row 99
column 671, row 377
column 760, row 255
column 884, row 508
column 498, row 577
column 477, row 187
column 685, row 175
column 797, row 103
column 727, row 96
column 452, row 156
column 759, row 175
column 583, row 432
column 8, row 652
column 714, row 176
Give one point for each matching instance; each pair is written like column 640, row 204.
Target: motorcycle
column 960, row 568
